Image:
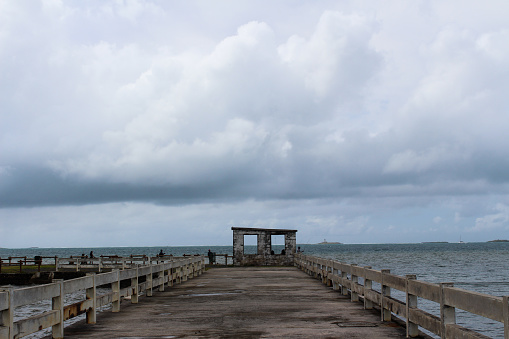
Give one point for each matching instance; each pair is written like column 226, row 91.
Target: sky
column 166, row 123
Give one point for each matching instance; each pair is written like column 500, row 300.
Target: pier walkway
column 243, row 302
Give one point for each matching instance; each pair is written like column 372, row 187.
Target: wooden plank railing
column 157, row 276
column 25, row 261
column 344, row 277
column 108, row 262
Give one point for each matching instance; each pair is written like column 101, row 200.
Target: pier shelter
column 265, row 254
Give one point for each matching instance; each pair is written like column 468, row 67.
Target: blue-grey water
column 480, row 267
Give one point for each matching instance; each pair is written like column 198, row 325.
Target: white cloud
column 400, row 106
column 497, row 220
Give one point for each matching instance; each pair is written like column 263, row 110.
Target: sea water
column 479, row 267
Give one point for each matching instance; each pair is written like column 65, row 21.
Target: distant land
column 325, row 242
column 434, row 242
column 499, row 240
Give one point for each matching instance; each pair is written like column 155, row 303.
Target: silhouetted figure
column 161, row 253
column 211, row 257
column 283, row 252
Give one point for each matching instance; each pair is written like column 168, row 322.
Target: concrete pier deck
column 246, row 302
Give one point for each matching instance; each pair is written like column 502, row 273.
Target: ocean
column 479, row 267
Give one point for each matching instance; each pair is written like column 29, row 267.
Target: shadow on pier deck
column 245, row 302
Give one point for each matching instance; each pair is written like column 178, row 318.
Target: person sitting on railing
column 161, row 253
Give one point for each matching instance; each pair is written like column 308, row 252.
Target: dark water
column 480, row 267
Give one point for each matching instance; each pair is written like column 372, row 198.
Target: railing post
column 412, row 330
column 344, row 277
column 447, row 313
column 330, row 269
column 354, row 296
column 115, row 288
column 7, row 316
column 91, row 294
column 160, row 275
column 368, row 286
column 386, row 292
column 57, row 303
column 134, row 286
column 335, row 273
column 505, row 312
column 149, row 283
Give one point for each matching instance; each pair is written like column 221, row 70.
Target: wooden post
column 412, row 330
column 447, row 313
column 57, row 304
column 505, row 312
column 149, row 283
column 115, row 288
column 91, row 294
column 160, row 274
column 344, row 278
column 7, row 316
column 386, row 292
column 354, row 296
column 134, row 286
column 368, row 286
column 335, row 274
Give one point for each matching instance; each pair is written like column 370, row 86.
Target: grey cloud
column 341, row 103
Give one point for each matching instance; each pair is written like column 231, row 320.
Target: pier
column 265, row 294
column 243, row 302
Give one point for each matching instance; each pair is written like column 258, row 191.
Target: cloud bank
column 358, row 119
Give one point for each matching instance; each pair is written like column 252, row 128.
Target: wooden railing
column 221, row 259
column 345, row 277
column 156, row 278
column 24, row 261
column 108, row 262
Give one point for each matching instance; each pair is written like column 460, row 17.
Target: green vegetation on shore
column 27, row 268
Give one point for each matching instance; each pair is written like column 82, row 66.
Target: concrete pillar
column 368, row 286
column 412, row 329
column 447, row 313
column 57, row 303
column 238, row 247
column 91, row 294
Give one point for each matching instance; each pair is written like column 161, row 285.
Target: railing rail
column 344, row 277
column 111, row 262
column 24, row 261
column 156, row 276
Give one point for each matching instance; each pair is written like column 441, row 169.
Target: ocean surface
column 479, row 267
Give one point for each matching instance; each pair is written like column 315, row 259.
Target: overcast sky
column 165, row 123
